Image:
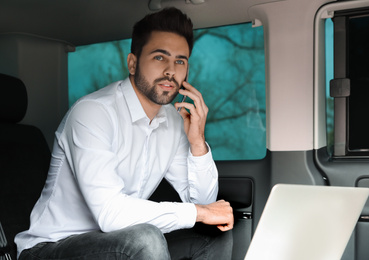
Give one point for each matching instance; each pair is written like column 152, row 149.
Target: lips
column 166, row 85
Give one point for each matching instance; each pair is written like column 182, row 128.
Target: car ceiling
column 81, row 22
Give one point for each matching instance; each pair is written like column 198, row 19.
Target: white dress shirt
column 108, row 159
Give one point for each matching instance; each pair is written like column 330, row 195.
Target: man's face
column 162, row 67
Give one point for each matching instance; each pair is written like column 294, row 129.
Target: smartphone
column 184, row 97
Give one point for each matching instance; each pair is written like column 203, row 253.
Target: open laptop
column 307, row 222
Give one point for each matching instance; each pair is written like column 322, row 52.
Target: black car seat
column 24, row 160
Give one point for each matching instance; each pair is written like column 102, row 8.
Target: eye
column 181, row 62
column 159, row 57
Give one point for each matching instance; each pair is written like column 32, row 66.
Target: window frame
column 340, row 86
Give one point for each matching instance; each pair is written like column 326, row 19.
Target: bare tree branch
column 235, row 116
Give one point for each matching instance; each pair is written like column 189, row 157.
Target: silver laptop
column 307, row 222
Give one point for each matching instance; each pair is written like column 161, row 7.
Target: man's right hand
column 219, row 213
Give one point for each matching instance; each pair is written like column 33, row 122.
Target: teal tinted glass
column 328, row 77
column 226, row 66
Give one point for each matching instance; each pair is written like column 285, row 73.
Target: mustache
column 168, row 79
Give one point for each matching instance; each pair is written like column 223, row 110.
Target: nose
column 169, row 71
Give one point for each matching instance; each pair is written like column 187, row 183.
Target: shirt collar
column 161, row 116
column 135, row 108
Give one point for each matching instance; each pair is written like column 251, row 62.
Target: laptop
column 307, row 222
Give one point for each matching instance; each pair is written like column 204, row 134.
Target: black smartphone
column 184, row 97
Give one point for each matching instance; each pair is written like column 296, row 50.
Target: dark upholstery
column 13, row 99
column 24, row 160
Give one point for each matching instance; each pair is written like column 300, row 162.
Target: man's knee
column 149, row 236
column 146, row 242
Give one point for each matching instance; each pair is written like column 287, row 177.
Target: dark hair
column 167, row 20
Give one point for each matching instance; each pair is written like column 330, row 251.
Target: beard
column 152, row 92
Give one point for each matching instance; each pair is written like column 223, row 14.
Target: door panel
column 351, row 172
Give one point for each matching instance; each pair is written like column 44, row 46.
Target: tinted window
column 358, row 68
column 227, row 66
column 328, row 78
column 350, row 87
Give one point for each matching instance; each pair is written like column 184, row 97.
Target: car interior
column 286, row 83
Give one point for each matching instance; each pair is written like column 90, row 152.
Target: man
column 111, row 151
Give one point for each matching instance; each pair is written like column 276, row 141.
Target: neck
column 151, row 109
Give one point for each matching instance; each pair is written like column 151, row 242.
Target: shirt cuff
column 187, row 215
column 201, row 163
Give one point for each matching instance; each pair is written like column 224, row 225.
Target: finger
column 224, row 227
column 183, row 112
column 190, row 88
column 196, row 109
column 196, row 96
column 191, row 107
column 198, row 101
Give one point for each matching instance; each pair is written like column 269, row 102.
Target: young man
column 112, row 150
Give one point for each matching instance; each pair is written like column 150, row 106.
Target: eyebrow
column 168, row 54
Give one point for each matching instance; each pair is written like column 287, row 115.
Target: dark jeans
column 143, row 241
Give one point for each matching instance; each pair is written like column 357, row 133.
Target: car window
column 347, row 40
column 328, row 77
column 227, row 65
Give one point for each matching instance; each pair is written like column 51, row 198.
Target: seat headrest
column 13, row 99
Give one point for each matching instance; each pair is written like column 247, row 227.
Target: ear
column 131, row 63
